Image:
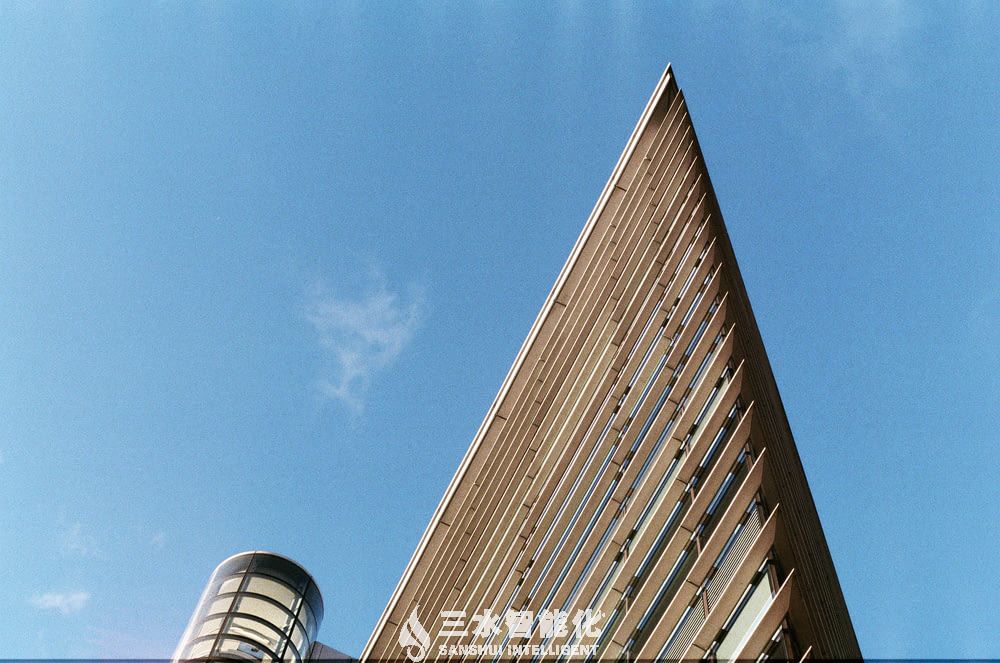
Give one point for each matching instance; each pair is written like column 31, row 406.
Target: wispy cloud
column 76, row 542
column 362, row 336
column 63, row 602
column 158, row 540
column 868, row 40
column 869, row 44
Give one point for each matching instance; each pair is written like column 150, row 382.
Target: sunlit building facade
column 637, row 462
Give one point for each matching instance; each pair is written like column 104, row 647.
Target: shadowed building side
column 637, row 461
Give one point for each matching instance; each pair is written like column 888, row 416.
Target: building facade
column 637, row 466
column 257, row 607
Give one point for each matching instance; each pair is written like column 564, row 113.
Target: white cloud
column 158, row 540
column 361, row 336
column 64, row 602
column 78, row 543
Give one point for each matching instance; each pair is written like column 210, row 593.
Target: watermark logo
column 485, row 625
column 413, row 638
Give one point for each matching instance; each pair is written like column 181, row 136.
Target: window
column 743, row 618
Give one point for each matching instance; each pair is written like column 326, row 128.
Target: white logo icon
column 414, row 638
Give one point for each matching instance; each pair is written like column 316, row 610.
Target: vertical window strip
column 660, row 366
column 763, row 573
column 597, row 445
column 649, row 560
column 664, row 481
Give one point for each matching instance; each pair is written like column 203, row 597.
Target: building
column 637, row 461
column 257, row 606
column 634, row 491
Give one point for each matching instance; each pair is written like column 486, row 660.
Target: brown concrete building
column 637, row 461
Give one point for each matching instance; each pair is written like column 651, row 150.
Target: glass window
column 230, row 585
column 291, row 656
column 220, row 605
column 267, row 611
column 306, row 617
column 200, row 649
column 745, row 617
column 210, row 626
column 244, row 650
column 254, row 630
column 298, row 637
column 276, row 590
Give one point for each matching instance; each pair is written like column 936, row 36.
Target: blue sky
column 262, row 270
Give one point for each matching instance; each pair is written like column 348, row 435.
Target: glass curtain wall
column 257, row 607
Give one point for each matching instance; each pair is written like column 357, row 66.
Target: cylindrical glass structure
column 258, row 607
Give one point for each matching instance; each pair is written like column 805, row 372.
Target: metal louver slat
column 728, row 566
